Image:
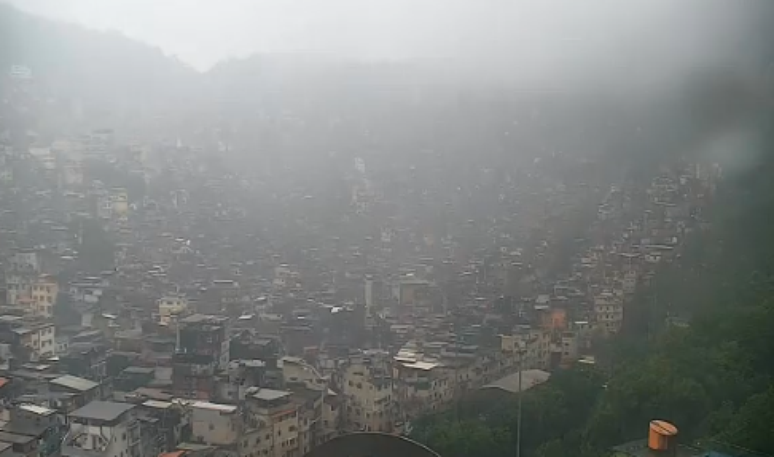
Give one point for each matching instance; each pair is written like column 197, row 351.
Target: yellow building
column 171, row 306
column 44, row 292
column 529, row 346
column 36, row 295
column 119, row 199
column 609, row 312
column 368, row 391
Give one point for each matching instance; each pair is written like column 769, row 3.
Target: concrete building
column 331, row 417
column 43, row 293
column 608, row 312
column 71, row 392
column 171, row 306
column 28, row 339
column 119, row 203
column 297, row 370
column 22, row 271
column 202, row 351
column 278, row 418
column 422, row 386
column 528, row 346
column 16, row 444
column 103, row 428
column 241, row 375
column 367, row 387
column 36, row 295
column 216, row 424
column 43, row 424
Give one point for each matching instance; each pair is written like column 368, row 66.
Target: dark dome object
column 371, row 445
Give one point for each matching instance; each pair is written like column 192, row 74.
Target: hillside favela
column 386, row 228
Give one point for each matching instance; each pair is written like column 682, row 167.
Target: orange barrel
column 661, row 436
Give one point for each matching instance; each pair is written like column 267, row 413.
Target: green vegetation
column 712, row 379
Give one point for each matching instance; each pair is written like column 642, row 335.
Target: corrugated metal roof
column 102, row 410
column 74, row 382
column 157, row 404
column 529, row 379
column 270, row 394
column 36, row 409
column 214, row 406
column 425, row 366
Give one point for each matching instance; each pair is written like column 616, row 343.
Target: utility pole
column 521, row 350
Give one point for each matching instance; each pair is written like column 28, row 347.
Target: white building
column 36, row 336
column 215, row 424
column 297, row 370
column 39, row 339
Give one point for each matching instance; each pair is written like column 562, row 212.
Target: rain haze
column 431, row 228
column 644, row 41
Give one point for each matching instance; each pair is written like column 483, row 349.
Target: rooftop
column 74, row 382
column 14, row 438
column 214, row 406
column 529, row 379
column 36, row 409
column 102, row 410
column 270, row 394
column 425, row 366
column 139, row 370
column 202, row 319
column 157, row 404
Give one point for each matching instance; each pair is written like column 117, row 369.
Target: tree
column 467, row 438
column 752, row 426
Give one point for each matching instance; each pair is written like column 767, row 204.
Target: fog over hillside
column 603, row 65
column 261, row 228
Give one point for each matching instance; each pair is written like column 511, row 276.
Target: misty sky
column 546, row 34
